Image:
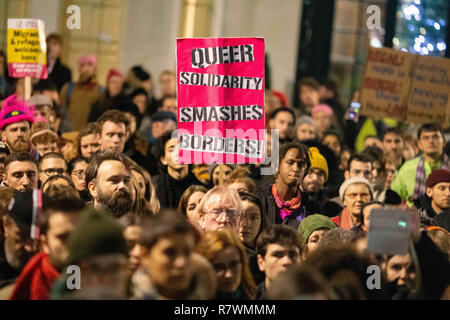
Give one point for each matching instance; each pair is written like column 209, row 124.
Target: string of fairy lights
column 422, row 26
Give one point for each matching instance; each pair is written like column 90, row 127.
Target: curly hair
column 112, row 115
column 160, row 147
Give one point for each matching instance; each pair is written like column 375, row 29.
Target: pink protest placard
column 27, row 48
column 220, row 84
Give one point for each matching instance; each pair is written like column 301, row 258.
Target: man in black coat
column 57, row 72
column 174, row 178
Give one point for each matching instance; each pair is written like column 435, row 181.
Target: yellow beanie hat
column 318, row 161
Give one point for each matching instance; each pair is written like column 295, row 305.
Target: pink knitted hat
column 324, row 108
column 90, row 58
column 14, row 111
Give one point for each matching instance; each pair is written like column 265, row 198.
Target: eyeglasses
column 53, row 171
column 217, row 213
column 79, row 173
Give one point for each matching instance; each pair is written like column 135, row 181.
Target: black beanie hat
column 24, row 209
column 130, row 107
column 96, row 233
column 140, row 73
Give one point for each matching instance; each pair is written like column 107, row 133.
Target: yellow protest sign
column 27, row 49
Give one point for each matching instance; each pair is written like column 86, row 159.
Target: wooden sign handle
column 221, row 174
column 27, row 88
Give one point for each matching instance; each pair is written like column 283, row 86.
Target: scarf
column 287, row 207
column 421, row 179
column 36, row 280
column 345, row 221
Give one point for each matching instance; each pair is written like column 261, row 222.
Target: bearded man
column 109, row 182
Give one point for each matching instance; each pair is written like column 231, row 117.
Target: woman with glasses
column 354, row 193
column 228, row 257
column 77, row 168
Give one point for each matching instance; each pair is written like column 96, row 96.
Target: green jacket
column 405, row 180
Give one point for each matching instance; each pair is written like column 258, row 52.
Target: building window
column 349, row 43
column 10, row 9
column 100, row 34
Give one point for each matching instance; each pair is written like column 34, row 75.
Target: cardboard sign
column 27, row 48
column 389, row 231
column 220, row 96
column 405, row 86
column 428, row 98
column 386, row 83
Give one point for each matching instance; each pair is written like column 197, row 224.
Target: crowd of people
column 90, row 178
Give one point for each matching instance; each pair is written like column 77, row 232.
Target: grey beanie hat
column 305, row 119
column 351, row 181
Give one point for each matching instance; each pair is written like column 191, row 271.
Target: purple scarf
column 421, row 179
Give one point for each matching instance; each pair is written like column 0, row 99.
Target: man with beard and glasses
column 108, row 179
column 21, row 241
column 15, row 125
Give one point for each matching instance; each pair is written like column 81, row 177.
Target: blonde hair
column 214, row 242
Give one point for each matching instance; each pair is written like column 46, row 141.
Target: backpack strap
column 69, row 93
